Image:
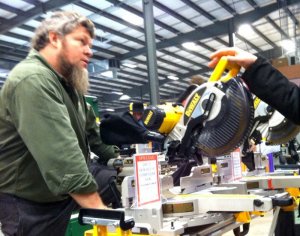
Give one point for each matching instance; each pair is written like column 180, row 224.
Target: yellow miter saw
column 271, row 125
column 213, row 118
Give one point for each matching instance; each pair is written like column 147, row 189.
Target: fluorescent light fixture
column 189, row 45
column 108, row 74
column 124, row 97
column 172, row 77
column 109, row 109
column 288, row 45
column 116, row 92
column 245, row 29
column 132, row 66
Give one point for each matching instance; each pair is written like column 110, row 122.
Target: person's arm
column 89, row 200
column 267, row 83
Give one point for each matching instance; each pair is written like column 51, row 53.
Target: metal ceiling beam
column 33, row 2
column 272, row 53
column 11, row 9
column 113, row 18
column 226, row 7
column 260, row 34
column 247, row 42
column 165, row 26
column 252, row 3
column 199, row 10
column 6, row 25
column 292, row 16
column 197, row 54
column 210, row 31
column 160, row 67
column 140, row 14
column 15, row 47
column 282, row 33
column 138, row 41
column 181, row 18
column 20, row 54
column 205, row 46
column 174, row 14
column 7, row 64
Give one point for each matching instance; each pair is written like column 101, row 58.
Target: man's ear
column 54, row 39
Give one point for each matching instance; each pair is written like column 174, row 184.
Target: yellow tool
column 221, row 67
column 101, row 219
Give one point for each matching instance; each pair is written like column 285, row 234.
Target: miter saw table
column 197, row 209
column 197, row 205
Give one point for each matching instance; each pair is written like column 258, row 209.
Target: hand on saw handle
column 233, row 55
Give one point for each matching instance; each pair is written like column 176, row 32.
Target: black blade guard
column 232, row 125
column 281, row 130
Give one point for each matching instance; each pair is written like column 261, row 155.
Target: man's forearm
column 88, row 200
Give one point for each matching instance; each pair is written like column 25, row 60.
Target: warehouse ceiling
column 186, row 33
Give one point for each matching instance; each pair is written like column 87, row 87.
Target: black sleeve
column 274, row 88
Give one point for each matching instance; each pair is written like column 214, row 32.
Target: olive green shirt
column 44, row 133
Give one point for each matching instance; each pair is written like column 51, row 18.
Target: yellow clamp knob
column 222, row 65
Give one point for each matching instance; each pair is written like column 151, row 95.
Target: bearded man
column 45, row 136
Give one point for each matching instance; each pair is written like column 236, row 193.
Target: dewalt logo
column 192, row 105
column 256, row 102
column 148, row 118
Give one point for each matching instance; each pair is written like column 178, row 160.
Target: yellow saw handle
column 222, row 65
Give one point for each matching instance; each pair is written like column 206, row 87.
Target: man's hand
column 234, row 55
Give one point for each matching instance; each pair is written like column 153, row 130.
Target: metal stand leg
column 274, row 221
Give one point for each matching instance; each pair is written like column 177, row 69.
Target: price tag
column 147, row 178
column 236, row 164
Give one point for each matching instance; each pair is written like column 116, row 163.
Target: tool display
column 208, row 121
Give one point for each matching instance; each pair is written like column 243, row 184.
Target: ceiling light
column 245, row 29
column 133, row 19
column 130, row 65
column 189, row 45
column 116, row 92
column 172, row 77
column 109, row 109
column 124, row 97
column 108, row 74
column 288, row 45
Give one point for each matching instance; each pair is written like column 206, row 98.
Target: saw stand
column 103, row 219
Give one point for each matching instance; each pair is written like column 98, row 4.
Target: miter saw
column 271, row 126
column 209, row 120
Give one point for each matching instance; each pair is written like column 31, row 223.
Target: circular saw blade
column 281, row 130
column 233, row 123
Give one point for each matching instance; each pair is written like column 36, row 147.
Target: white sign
column 147, row 178
column 236, row 164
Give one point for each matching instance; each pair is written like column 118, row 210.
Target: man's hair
column 137, row 107
column 61, row 22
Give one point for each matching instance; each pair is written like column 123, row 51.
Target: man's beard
column 75, row 76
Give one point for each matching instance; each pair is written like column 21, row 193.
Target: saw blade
column 233, row 122
column 281, row 130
